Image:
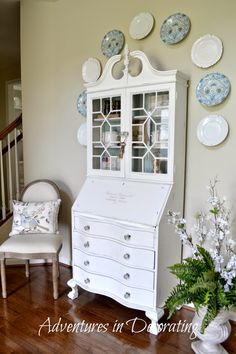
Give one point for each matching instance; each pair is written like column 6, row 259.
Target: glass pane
column 138, row 101
column 96, row 134
column 115, row 163
column 163, row 166
column 163, row 98
column 150, row 132
column 96, row 163
column 148, row 163
column 96, row 105
column 106, row 106
column 159, row 152
column 139, row 115
column 137, row 132
column 98, row 149
column 137, row 165
column 150, row 101
column 116, row 104
column 138, row 150
column 105, row 161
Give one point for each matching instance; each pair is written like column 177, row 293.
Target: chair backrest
column 40, row 190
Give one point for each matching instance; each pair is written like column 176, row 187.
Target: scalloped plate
column 212, row 130
column 91, row 70
column 206, row 51
column 213, row 89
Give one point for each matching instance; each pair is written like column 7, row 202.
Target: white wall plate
column 82, row 134
column 91, row 70
column 141, row 25
column 212, row 130
column 206, row 51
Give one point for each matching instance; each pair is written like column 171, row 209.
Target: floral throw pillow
column 35, row 217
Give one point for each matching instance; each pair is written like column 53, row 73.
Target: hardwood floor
column 30, row 305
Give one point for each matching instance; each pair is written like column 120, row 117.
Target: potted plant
column 208, row 277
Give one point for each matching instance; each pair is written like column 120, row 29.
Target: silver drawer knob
column 86, row 227
column 86, row 244
column 126, row 276
column 127, row 237
column 87, row 281
column 126, row 295
column 86, row 263
column 126, row 256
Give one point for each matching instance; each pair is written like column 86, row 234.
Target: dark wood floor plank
column 30, row 304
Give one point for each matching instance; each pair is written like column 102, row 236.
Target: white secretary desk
column 122, row 243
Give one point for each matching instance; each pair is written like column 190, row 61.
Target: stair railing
column 11, row 169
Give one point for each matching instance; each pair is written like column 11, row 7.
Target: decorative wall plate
column 91, row 70
column 213, row 89
column 141, row 25
column 82, row 103
column 175, row 28
column 82, row 134
column 206, row 51
column 212, row 130
column 112, row 43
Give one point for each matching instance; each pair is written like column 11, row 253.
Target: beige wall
column 57, row 37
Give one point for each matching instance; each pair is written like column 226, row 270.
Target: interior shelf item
column 175, row 28
column 112, row 43
column 206, row 51
column 82, row 103
column 91, row 70
column 135, row 173
column 82, row 134
column 212, row 130
column 213, row 89
column 141, row 25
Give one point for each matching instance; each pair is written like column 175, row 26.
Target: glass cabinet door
column 150, row 132
column 106, row 128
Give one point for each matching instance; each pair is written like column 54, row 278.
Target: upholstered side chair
column 37, row 245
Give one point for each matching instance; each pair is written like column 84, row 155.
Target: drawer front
column 135, row 236
column 135, row 257
column 110, row 286
column 137, row 278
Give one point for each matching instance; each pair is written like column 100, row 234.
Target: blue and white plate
column 175, row 28
column 82, row 103
column 213, row 89
column 112, row 43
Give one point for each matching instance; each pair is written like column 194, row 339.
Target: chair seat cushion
column 32, row 243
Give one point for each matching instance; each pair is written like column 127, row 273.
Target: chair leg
column 55, row 278
column 3, row 277
column 27, row 268
column 58, row 268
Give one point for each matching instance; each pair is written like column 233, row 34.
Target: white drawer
column 130, row 236
column 109, row 287
column 129, row 256
column 137, row 278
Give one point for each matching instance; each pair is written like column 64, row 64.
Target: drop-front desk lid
column 128, row 201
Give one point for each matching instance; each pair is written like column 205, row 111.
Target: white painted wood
column 9, row 172
column 128, row 295
column 120, row 200
column 132, row 277
column 2, row 184
column 130, row 256
column 131, row 236
column 122, row 244
column 16, row 166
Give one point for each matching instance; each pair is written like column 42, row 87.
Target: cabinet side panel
column 169, row 245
